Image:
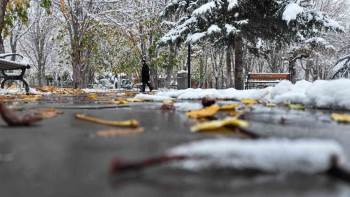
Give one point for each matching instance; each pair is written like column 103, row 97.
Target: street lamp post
column 188, row 52
column 189, row 65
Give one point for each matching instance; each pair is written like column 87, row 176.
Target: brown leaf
column 47, row 113
column 29, row 98
column 168, row 105
column 206, row 101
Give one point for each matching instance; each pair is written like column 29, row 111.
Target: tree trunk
column 40, row 76
column 229, row 81
column 2, row 47
column 3, row 5
column 308, row 69
column 239, row 64
column 201, row 72
column 77, row 68
column 292, row 71
column 170, row 66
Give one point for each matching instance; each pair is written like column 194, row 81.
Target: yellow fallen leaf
column 130, row 94
column 219, row 124
column 342, row 118
column 119, row 132
column 120, row 101
column 249, row 101
column 134, row 100
column 230, row 107
column 92, row 96
column 127, row 123
column 236, row 114
column 296, row 106
column 29, row 98
column 46, row 89
column 47, row 113
column 204, row 113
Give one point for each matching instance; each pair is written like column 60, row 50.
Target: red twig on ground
column 13, row 119
column 119, row 166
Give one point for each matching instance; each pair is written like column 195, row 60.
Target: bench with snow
column 263, row 80
column 11, row 65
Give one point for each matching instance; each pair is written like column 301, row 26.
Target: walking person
column 145, row 78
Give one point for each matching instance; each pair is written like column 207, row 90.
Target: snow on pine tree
column 232, row 21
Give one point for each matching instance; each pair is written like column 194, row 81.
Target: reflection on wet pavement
column 60, row 158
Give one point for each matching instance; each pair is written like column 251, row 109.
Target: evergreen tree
column 232, row 21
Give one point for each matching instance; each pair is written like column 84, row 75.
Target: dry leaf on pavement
column 119, row 132
column 204, row 113
column 92, row 96
column 29, row 98
column 219, row 124
column 249, row 101
column 127, row 123
column 120, row 101
column 296, row 106
column 230, row 107
column 47, row 113
column 342, row 118
column 134, row 100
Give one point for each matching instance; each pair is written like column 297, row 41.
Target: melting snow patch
column 147, row 97
column 268, row 155
column 322, row 94
column 187, row 106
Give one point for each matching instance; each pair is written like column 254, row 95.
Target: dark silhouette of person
column 145, row 76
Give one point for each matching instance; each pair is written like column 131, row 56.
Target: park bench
column 263, row 80
column 11, row 65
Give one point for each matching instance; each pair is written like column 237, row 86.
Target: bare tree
column 39, row 40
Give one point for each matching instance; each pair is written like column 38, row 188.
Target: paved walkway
column 62, row 157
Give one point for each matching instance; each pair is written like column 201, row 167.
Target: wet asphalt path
column 62, row 157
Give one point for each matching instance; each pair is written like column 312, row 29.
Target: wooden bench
column 263, row 80
column 10, row 65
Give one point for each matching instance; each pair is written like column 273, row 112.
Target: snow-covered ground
column 268, row 155
column 334, row 94
column 321, row 94
column 14, row 91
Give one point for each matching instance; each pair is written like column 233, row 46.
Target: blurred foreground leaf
column 230, row 107
column 296, row 106
column 249, row 101
column 342, row 118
